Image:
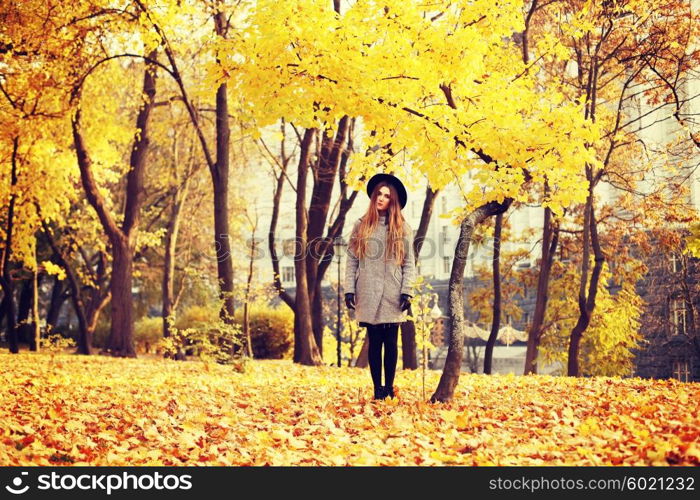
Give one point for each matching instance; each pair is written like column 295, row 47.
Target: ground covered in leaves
column 76, row 410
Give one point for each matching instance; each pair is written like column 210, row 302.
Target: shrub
column 147, row 333
column 195, row 316
column 271, row 331
column 199, row 331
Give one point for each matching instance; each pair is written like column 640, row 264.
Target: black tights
column 386, row 335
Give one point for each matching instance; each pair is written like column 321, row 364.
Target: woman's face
column 383, row 198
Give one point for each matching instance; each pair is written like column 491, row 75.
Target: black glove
column 405, row 302
column 350, row 300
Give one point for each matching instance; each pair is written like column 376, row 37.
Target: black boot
column 389, row 391
column 379, row 392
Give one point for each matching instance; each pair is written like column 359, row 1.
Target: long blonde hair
column 395, row 233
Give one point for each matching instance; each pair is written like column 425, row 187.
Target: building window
column 443, row 235
column 446, row 265
column 289, row 247
column 678, row 316
column 288, row 273
column 675, row 263
column 681, row 370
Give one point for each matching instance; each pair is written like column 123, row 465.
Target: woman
column 379, row 275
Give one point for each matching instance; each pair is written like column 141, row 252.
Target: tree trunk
column 98, row 300
column 224, row 259
column 246, row 330
column 246, row 307
column 27, row 314
column 586, row 303
column 333, row 158
column 277, row 197
column 455, row 350
column 409, row 348
column 326, row 170
column 317, row 323
column 36, row 337
column 363, row 357
column 472, row 356
column 220, row 179
column 169, row 269
column 550, row 239
column 308, row 353
column 5, row 276
column 121, row 337
column 171, row 236
column 25, row 327
column 297, row 336
column 352, row 344
column 319, row 249
column 4, row 304
column 85, row 336
column 584, row 317
column 496, row 320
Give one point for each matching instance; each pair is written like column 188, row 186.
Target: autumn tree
column 611, row 69
column 122, row 238
column 411, row 95
column 84, row 261
column 165, row 26
column 502, row 280
column 35, row 80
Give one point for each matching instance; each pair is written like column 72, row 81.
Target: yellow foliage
column 614, row 330
column 53, row 269
column 390, row 64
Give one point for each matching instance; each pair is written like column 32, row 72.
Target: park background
column 179, row 181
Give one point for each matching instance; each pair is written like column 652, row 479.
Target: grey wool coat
column 378, row 283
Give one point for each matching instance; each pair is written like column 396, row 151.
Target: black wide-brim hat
column 394, row 181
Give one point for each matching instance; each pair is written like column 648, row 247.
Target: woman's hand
column 405, row 302
column 350, row 300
